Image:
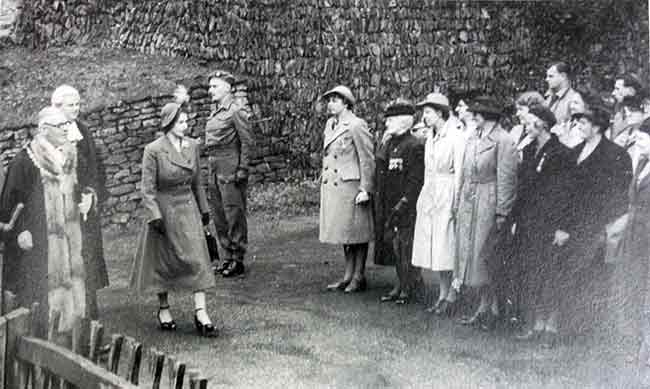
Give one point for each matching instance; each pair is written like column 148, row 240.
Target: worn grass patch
column 103, row 76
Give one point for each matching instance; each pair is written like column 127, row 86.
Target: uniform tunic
column 172, row 191
column 488, row 189
column 228, row 142
column 348, row 168
column 434, row 245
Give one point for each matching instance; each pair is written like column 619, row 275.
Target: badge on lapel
column 396, row 164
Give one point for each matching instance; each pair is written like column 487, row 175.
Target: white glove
column 456, row 284
column 560, row 238
column 362, row 197
column 25, row 240
column 85, row 204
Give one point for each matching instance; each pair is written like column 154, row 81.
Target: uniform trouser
column 410, row 277
column 228, row 202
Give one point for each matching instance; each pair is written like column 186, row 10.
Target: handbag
column 213, row 249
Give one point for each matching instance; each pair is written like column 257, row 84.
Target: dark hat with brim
column 485, row 104
column 342, row 91
column 543, row 113
column 597, row 114
column 223, row 75
column 169, row 113
column 399, row 107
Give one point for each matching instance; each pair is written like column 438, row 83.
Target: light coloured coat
column 348, row 168
column 488, row 189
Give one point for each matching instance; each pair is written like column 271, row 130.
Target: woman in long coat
column 540, row 211
column 43, row 257
column 602, row 171
column 487, row 195
column 346, row 185
column 172, row 254
column 434, row 243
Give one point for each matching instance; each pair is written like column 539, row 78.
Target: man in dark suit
column 90, row 175
column 400, row 173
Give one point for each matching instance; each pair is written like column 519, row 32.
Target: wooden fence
column 28, row 362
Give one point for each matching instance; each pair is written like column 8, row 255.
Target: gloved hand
column 158, row 225
column 25, row 241
column 400, row 206
column 241, row 175
column 205, row 218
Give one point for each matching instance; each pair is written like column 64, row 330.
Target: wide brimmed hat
column 168, row 114
column 399, row 107
column 435, row 100
column 223, row 75
column 485, row 104
column 543, row 113
column 597, row 114
column 342, row 91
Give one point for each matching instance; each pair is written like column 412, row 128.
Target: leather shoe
column 402, row 299
column 234, row 269
column 390, row 296
column 473, row 320
column 446, row 308
column 218, row 269
column 356, row 285
column 339, row 285
column 529, row 335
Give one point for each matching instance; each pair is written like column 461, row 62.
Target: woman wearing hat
column 347, row 181
column 540, row 213
column 172, row 254
column 434, row 243
column 602, row 172
column 486, row 195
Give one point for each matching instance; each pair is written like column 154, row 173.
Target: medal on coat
column 395, row 164
column 541, row 163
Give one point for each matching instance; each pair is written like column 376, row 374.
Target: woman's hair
column 467, row 96
column 529, row 98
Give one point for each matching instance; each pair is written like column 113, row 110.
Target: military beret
column 399, row 107
column 543, row 113
column 223, row 75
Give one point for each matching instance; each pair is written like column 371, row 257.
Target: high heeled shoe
column 390, row 296
column 206, row 330
column 356, row 285
column 447, row 308
column 165, row 325
column 474, row 320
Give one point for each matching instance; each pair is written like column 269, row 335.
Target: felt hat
column 485, row 104
column 436, row 100
column 399, row 107
column 168, row 114
column 342, row 91
column 544, row 114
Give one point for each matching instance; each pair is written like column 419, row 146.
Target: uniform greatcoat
column 172, row 191
column 434, row 242
column 488, row 189
column 348, row 168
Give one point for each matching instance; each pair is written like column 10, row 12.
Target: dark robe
column 25, row 272
column 90, row 175
column 400, row 174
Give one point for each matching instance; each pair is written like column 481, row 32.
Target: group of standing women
column 513, row 215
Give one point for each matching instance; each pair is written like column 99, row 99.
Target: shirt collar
column 226, row 102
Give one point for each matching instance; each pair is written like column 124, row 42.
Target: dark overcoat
column 400, row 173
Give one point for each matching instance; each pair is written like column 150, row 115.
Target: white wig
column 62, row 92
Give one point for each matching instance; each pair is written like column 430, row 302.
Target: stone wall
column 9, row 10
column 289, row 52
column 121, row 132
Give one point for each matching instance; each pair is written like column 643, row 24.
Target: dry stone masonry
column 289, row 52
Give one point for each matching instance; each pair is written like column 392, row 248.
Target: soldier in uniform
column 228, row 142
column 400, row 172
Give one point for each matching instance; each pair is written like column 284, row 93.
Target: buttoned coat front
column 172, row 191
column 488, row 189
column 348, row 168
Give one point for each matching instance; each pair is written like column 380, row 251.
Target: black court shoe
column 167, row 325
column 218, row 269
column 205, row 330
